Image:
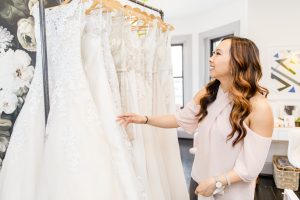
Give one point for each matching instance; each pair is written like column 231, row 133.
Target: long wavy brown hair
column 246, row 73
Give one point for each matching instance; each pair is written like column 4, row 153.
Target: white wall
column 194, row 25
column 272, row 23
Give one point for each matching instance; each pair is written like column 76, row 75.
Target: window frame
column 186, row 41
column 182, row 71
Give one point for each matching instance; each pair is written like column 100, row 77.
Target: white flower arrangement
column 16, row 74
column 25, row 33
column 8, row 102
column 5, row 39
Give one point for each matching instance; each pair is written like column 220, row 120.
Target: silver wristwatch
column 219, row 184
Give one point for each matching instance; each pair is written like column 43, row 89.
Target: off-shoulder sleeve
column 186, row 117
column 253, row 155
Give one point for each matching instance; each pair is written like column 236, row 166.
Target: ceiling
column 184, row 8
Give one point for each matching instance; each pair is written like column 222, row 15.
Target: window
column 177, row 63
column 181, row 53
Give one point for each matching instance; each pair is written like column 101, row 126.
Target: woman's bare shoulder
column 261, row 116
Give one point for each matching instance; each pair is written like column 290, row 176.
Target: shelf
column 282, row 134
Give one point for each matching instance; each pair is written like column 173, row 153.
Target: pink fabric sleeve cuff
column 186, row 117
column 252, row 156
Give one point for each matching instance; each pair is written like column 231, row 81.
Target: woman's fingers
column 128, row 118
column 125, row 120
column 202, row 193
column 125, row 115
column 119, row 119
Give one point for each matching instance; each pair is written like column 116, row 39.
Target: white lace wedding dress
column 102, row 77
column 125, row 59
column 164, row 103
column 155, row 150
column 72, row 158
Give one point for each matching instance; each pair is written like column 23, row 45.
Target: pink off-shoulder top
column 215, row 156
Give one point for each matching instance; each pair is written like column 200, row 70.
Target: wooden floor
column 265, row 188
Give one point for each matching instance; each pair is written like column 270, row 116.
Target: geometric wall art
column 285, row 74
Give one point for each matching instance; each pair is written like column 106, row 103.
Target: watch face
column 218, row 184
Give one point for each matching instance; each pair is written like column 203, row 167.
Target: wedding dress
column 134, row 58
column 158, row 180
column 72, row 158
column 128, row 52
column 100, row 69
column 163, row 103
column 166, row 178
column 125, row 59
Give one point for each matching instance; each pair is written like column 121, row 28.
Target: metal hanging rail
column 44, row 58
column 149, row 7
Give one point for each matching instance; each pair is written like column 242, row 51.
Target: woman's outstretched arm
column 162, row 121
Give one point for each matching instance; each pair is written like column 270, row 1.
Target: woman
column 234, row 122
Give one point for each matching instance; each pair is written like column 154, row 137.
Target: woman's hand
column 128, row 118
column 206, row 188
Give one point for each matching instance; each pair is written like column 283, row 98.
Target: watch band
column 227, row 179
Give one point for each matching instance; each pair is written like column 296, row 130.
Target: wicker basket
column 286, row 177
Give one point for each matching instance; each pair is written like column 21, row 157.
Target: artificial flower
column 25, row 33
column 5, row 39
column 8, row 102
column 16, row 72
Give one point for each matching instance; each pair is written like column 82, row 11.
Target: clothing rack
column 149, row 7
column 44, row 58
column 44, row 49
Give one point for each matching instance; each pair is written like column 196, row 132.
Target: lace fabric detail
column 99, row 68
column 140, row 87
column 162, row 72
column 121, row 48
column 56, row 17
column 109, row 64
column 144, row 71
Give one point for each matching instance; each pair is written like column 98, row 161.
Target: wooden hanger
column 161, row 24
column 134, row 15
column 107, row 5
column 164, row 26
column 142, row 16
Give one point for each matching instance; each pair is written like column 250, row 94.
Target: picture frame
column 283, row 75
